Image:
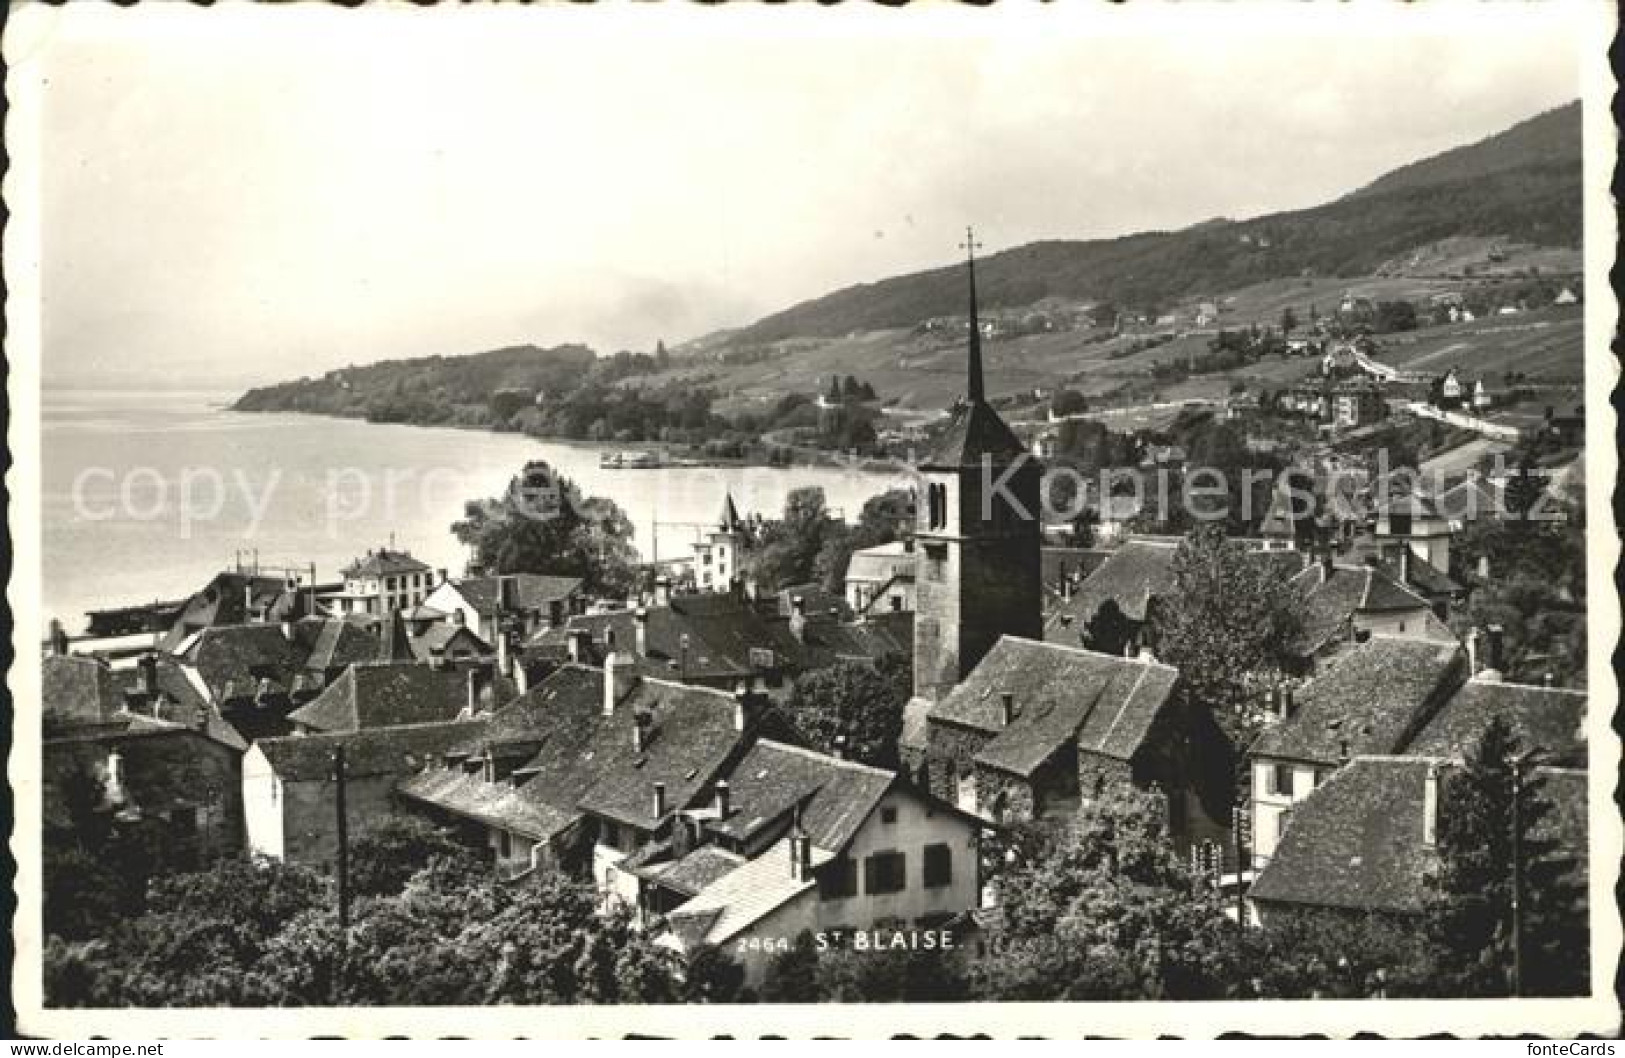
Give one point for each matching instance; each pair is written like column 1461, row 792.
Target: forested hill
column 432, row 389
column 1522, row 185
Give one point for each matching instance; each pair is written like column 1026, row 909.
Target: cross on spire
column 973, row 390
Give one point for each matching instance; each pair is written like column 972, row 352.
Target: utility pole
column 1519, row 762
column 339, row 779
column 1238, row 811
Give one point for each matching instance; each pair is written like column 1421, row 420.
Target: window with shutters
column 885, row 872
column 1283, row 779
column 939, row 866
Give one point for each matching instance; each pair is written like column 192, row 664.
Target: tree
column 792, row 976
column 1108, row 630
column 1068, row 402
column 1110, row 911
column 788, row 549
column 712, row 976
column 589, row 537
column 1085, row 527
column 1229, row 615
column 853, row 706
column 1395, row 316
column 388, row 852
column 1470, row 916
column 1316, row 955
column 1289, row 321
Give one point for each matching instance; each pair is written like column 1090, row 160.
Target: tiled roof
column 976, row 432
column 380, row 751
column 497, row 804
column 334, row 642
column 384, row 562
column 85, row 698
column 722, row 631
column 1075, row 561
column 1368, row 701
column 695, row 871
column 1545, row 718
column 1330, row 603
column 882, row 563
column 180, row 701
column 1135, row 573
column 386, row 695
column 588, row 762
column 1357, row 842
column 241, row 656
column 438, row 637
column 814, row 600
column 742, row 897
column 223, row 601
column 835, row 796
column 531, row 591
column 1471, row 498
column 1108, row 704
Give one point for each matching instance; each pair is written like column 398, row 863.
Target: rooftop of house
column 1132, row 576
column 526, row 591
column 1075, row 562
column 1370, row 700
column 1358, row 842
column 882, row 563
column 385, row 562
column 1332, row 598
column 722, row 632
column 692, row 873
column 774, row 779
column 586, row 761
column 1106, row 704
column 742, row 897
column 1548, row 719
column 85, row 698
column 371, row 695
column 368, row 753
column 437, row 638
column 225, row 600
column 334, row 642
column 235, row 661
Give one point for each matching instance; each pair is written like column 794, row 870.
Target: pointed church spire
column 973, row 392
column 729, row 521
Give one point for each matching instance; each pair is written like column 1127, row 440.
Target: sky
column 245, row 195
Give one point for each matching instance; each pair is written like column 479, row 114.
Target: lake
column 147, row 495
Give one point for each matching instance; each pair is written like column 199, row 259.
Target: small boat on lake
column 630, row 461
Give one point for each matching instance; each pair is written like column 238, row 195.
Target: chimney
column 113, row 787
column 641, row 722
column 508, row 594
column 1342, row 751
column 1326, row 566
column 1007, row 708
column 724, row 806
column 555, row 613
column 662, row 590
column 1405, row 566
column 1430, row 806
column 1472, row 651
column 838, row 751
column 1288, row 705
column 1484, row 568
column 59, row 639
column 248, row 602
column 576, row 640
column 798, row 617
column 504, row 660
column 149, row 675
column 801, row 856
column 640, row 621
column 441, row 573
column 262, row 695
column 660, row 800
column 287, row 629
column 521, row 677
column 618, row 680
column 472, row 683
column 741, row 706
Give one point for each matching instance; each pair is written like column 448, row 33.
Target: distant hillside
column 429, row 389
column 1522, row 185
column 1548, row 138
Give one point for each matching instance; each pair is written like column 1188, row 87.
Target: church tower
column 977, row 540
